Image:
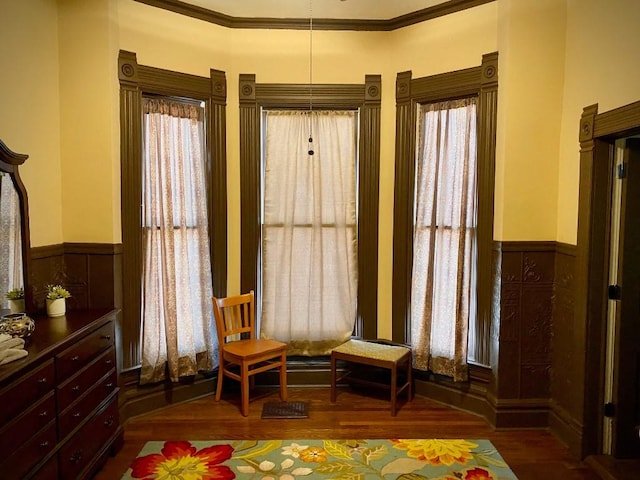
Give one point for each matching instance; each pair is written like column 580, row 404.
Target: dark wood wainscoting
column 529, row 385
column 524, row 366
column 533, row 370
column 564, row 420
column 90, row 271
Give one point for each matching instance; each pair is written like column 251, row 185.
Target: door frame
column 598, row 133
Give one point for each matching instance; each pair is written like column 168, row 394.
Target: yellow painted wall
column 30, row 111
column 89, row 112
column 531, row 67
column 601, row 67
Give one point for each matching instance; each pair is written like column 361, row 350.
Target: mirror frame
column 9, row 163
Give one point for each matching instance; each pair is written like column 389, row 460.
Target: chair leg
column 220, row 379
column 283, row 377
column 244, row 387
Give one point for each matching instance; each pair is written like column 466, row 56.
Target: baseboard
column 469, row 396
column 522, row 413
column 138, row 399
column 566, row 428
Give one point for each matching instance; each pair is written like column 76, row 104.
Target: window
column 137, row 81
column 309, row 271
column 443, row 279
column 364, row 98
column 177, row 333
column 424, row 233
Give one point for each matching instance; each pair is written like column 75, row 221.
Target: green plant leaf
column 349, row 476
column 489, row 460
column 337, row 450
column 244, row 445
column 334, row 467
column 412, row 476
column 268, row 446
column 375, row 453
column 402, row 466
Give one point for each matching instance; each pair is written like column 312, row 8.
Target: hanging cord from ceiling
column 310, row 149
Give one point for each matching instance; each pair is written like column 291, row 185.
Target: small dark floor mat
column 285, row 410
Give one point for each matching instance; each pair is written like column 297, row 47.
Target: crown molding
column 228, row 21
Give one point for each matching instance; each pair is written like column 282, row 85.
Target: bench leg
column 409, row 379
column 394, row 388
column 283, row 376
column 333, row 379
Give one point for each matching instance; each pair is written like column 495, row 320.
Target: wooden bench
column 376, row 354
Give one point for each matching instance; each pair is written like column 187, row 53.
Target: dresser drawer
column 73, row 416
column 76, row 357
column 29, row 454
column 48, row 472
column 26, row 391
column 76, row 455
column 71, row 390
column 25, row 426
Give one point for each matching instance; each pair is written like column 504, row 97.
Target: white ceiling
column 329, row 9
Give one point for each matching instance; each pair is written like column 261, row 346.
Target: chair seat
column 253, row 347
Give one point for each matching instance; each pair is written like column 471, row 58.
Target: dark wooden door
column 626, row 388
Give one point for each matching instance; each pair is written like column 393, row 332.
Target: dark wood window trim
column 365, row 97
column 481, row 81
column 136, row 80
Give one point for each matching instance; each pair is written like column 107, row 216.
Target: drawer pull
column 108, row 362
column 109, row 421
column 76, row 456
column 75, row 358
column 105, row 337
column 76, row 388
column 109, row 385
column 42, row 380
column 44, row 413
column 76, row 415
column 44, row 444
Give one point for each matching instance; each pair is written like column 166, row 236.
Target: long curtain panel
column 10, row 238
column 309, row 233
column 177, row 313
column 443, row 291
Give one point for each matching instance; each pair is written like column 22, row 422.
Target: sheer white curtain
column 10, row 239
column 443, row 292
column 309, row 234
column 178, row 333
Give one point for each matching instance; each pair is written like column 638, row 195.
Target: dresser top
column 52, row 335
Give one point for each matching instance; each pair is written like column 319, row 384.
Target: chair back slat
column 234, row 316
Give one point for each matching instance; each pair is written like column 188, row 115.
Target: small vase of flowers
column 56, row 300
column 16, row 300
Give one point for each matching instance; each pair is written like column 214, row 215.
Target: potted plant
column 16, row 300
column 56, row 300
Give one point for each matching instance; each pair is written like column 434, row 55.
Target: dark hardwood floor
column 531, row 454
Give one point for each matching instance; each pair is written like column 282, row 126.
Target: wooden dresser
column 59, row 405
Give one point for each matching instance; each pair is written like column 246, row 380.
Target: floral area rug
column 320, row 459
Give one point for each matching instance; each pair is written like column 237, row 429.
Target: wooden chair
column 241, row 351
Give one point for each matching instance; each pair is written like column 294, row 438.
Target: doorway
column 621, row 422
column 608, row 280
